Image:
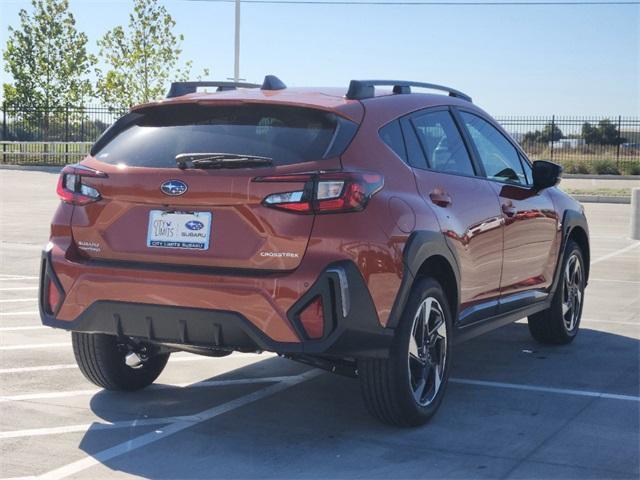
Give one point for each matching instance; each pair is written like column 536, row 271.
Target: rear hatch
column 208, row 211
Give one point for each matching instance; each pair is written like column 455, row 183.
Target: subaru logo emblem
column 194, row 225
column 173, row 187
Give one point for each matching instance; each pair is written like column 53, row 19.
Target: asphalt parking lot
column 514, row 409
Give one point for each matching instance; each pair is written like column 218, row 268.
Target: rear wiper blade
column 221, row 160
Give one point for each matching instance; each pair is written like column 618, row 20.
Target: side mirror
column 546, row 174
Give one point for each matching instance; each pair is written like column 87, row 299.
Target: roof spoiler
column 361, row 89
column 271, row 82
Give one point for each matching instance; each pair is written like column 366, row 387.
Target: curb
column 601, row 199
column 600, row 177
column 34, row 168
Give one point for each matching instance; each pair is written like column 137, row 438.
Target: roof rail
column 361, row 89
column 271, row 82
column 183, row 88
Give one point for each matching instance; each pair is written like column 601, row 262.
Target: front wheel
column 407, row 388
column 560, row 322
column 114, row 364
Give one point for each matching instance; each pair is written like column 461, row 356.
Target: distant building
column 568, row 143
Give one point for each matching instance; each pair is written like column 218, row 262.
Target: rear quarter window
column 391, row 134
column 288, row 135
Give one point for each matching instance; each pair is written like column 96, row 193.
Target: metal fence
column 581, row 144
column 598, row 145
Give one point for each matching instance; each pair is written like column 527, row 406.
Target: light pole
column 236, row 66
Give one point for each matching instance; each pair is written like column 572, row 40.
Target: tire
column 390, row 386
column 101, row 359
column 559, row 323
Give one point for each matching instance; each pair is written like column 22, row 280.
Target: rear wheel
column 407, row 388
column 114, row 364
column 559, row 323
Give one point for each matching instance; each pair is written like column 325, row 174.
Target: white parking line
column 35, row 345
column 11, row 314
column 141, row 422
column 41, row 368
column 23, row 327
column 613, row 322
column 7, row 277
column 176, row 427
column 633, row 282
column 203, row 384
column 16, row 300
column 65, row 366
column 613, row 254
column 16, row 289
column 536, row 388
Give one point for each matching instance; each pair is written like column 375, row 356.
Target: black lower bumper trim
column 359, row 334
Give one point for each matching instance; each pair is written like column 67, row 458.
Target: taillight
column 72, row 190
column 329, row 192
column 312, row 319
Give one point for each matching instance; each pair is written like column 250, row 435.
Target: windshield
column 285, row 134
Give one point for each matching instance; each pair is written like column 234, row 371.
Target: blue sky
column 529, row 60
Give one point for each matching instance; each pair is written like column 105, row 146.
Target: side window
column 442, row 143
column 392, row 136
column 500, row 159
column 528, row 173
column 414, row 150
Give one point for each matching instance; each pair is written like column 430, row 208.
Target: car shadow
column 320, row 428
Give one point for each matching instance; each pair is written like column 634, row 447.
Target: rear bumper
column 242, row 313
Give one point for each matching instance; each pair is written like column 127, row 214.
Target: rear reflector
column 312, row 319
column 328, row 192
column 53, row 296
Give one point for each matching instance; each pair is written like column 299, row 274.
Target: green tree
column 605, row 133
column 550, row 133
column 47, row 59
column 590, row 133
column 142, row 59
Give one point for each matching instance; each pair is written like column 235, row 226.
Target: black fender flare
column 570, row 220
column 420, row 247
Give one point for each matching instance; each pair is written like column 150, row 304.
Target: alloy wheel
column 572, row 292
column 427, row 351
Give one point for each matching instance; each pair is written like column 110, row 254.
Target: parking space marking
column 612, row 322
column 9, row 314
column 140, row 422
column 634, row 282
column 203, row 384
column 616, row 253
column 536, row 388
column 35, row 345
column 7, row 277
column 41, row 368
column 16, row 300
column 23, row 327
column 192, row 358
column 176, row 427
column 17, row 289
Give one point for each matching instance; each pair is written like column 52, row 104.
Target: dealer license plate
column 189, row 230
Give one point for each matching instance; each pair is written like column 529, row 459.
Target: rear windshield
column 285, row 134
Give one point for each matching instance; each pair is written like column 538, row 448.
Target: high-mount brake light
column 328, row 192
column 72, row 190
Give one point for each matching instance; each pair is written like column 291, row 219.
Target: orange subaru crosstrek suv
column 363, row 230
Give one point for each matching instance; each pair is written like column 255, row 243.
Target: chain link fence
column 599, row 145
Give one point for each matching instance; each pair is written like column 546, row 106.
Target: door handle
column 440, row 198
column 508, row 209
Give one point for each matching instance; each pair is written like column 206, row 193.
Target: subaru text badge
column 173, row 187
